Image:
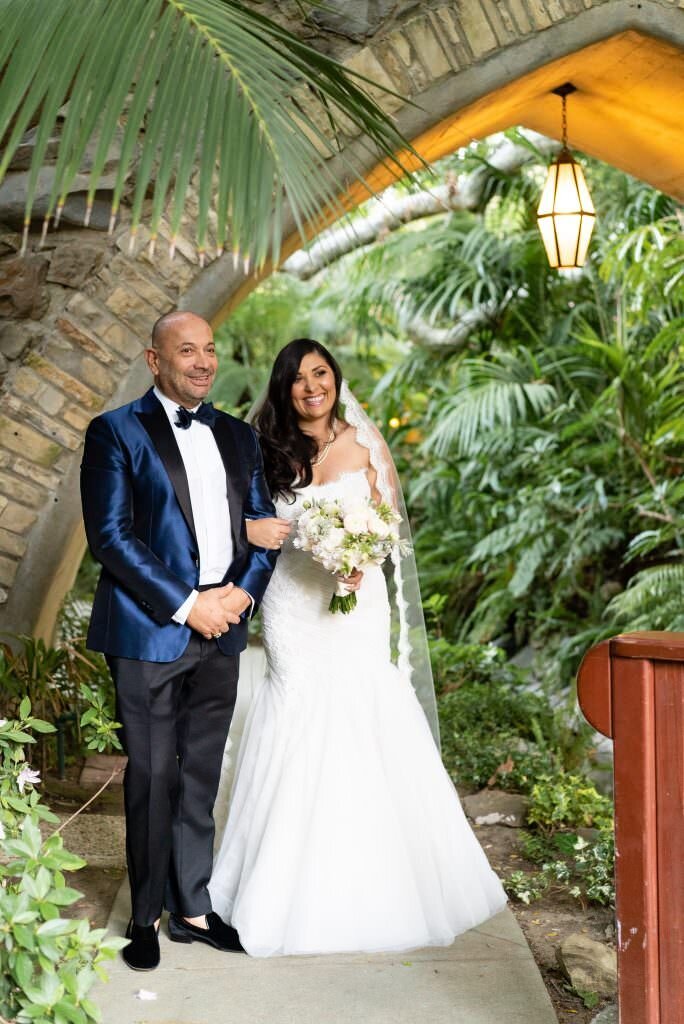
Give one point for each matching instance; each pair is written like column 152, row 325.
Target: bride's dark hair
column 287, row 451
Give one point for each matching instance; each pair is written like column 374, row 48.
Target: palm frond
column 653, row 600
column 531, row 558
column 187, row 89
column 500, row 541
column 497, row 394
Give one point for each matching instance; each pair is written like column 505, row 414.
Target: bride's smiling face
column 313, row 390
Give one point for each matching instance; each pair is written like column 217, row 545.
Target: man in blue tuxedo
column 167, row 482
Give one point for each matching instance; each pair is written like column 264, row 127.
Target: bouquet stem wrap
column 342, row 600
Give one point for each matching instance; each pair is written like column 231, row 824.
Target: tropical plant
column 536, row 417
column 547, row 489
column 68, row 685
column 47, row 963
column 33, row 671
column 208, row 95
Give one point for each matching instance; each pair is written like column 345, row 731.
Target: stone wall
column 75, row 319
column 76, row 312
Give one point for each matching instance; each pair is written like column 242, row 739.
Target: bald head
column 182, row 357
column 171, row 324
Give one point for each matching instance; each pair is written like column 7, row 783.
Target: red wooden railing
column 631, row 688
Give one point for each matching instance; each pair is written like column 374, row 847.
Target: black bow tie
column 205, row 414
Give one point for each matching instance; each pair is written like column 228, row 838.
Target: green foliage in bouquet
column 47, row 963
column 343, row 537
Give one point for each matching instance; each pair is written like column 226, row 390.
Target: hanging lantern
column 566, row 213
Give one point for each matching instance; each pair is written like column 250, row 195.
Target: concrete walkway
column 487, row 976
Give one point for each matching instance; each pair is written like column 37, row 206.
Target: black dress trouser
column 175, row 718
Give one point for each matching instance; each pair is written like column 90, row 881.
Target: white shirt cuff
column 181, row 615
column 249, row 612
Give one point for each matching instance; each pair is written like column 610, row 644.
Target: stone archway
column 77, row 312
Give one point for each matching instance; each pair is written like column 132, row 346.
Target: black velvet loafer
column 219, row 934
column 142, row 953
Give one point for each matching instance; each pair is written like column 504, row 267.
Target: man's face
column 184, row 361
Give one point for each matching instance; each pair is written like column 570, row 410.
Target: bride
column 345, row 832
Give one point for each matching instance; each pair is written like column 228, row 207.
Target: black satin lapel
column 229, row 454
column 157, row 425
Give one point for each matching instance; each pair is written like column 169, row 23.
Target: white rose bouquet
column 344, row 536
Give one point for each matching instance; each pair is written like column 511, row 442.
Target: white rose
column 356, row 522
column 332, row 540
column 378, row 526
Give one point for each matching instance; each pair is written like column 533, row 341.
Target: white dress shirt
column 206, row 475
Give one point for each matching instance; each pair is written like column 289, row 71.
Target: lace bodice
column 352, row 483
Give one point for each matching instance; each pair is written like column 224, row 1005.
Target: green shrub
column 595, row 869
column 97, row 721
column 456, row 665
column 47, row 963
column 584, row 868
column 65, row 684
column 494, row 731
column 568, row 801
column 526, row 886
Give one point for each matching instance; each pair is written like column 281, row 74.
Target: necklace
column 323, row 452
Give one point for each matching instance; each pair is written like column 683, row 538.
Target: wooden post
column 631, row 688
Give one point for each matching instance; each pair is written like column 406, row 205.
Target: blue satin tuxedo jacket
column 139, row 524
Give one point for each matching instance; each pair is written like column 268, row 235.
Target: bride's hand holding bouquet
column 345, row 536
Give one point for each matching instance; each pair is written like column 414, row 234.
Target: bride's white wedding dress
column 345, row 832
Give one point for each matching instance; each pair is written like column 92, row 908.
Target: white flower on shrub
column 27, row 775
column 2, row 831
